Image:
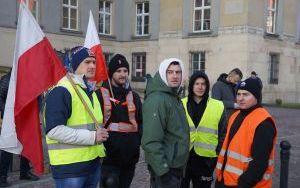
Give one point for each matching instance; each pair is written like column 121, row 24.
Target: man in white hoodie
column 165, row 138
column 74, row 142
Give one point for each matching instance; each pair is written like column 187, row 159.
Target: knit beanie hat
column 253, row 86
column 116, row 62
column 78, row 55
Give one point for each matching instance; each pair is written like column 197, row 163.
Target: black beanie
column 253, row 86
column 116, row 62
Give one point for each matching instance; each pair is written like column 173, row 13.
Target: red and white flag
column 36, row 67
column 92, row 42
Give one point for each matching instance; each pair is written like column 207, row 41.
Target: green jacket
column 165, row 137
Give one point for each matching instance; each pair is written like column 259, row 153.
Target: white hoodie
column 164, row 66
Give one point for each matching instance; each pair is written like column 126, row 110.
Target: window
column 271, row 16
column 201, row 18
column 105, row 17
column 142, row 19
column 197, row 62
column 107, row 57
column 33, row 6
column 35, row 10
column 274, row 68
column 70, row 14
column 138, row 66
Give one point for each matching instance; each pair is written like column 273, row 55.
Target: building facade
column 210, row 35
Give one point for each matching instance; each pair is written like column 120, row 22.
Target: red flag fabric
column 36, row 67
column 92, row 42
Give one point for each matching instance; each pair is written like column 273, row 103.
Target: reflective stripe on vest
column 239, row 150
column 106, row 104
column 54, row 146
column 204, row 138
column 120, row 126
column 61, row 153
column 238, row 171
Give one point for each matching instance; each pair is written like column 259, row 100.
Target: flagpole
column 97, row 125
column 111, row 91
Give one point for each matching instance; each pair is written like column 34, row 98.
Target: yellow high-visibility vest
column 204, row 138
column 61, row 153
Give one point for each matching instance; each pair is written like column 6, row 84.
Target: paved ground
column 288, row 124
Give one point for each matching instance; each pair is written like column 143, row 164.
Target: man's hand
column 101, row 135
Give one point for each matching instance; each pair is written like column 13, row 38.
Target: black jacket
column 4, row 83
column 122, row 149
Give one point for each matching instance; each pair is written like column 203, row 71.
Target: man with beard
column 166, row 131
column 122, row 112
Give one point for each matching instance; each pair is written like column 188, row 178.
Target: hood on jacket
column 164, row 66
column 194, row 77
column 159, row 81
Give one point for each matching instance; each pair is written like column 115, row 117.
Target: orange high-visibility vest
column 239, row 150
column 119, row 126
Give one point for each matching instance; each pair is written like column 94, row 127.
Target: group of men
column 94, row 134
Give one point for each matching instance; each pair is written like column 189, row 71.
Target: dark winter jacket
column 224, row 91
column 166, row 131
column 122, row 149
column 4, row 83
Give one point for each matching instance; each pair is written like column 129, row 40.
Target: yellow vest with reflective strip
column 204, row 138
column 61, row 154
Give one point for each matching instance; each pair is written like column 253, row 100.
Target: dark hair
column 237, row 71
column 194, row 77
column 254, row 73
column 174, row 63
column 222, row 76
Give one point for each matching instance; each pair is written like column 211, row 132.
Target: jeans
column 89, row 181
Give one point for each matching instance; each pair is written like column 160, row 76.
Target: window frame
column 69, row 7
column 271, row 10
column 274, row 68
column 134, row 77
column 143, row 15
column 201, row 61
column 107, row 57
column 202, row 10
column 104, row 13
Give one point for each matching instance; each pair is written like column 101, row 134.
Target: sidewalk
column 288, row 126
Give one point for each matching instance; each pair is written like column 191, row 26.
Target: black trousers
column 6, row 161
column 173, row 182
column 116, row 177
column 199, row 170
column 156, row 182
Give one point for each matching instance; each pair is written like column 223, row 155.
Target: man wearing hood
column 165, row 137
column 207, row 123
column 74, row 144
column 123, row 119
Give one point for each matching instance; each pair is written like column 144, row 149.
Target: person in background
column 247, row 155
column 165, row 137
column 74, row 142
column 6, row 157
column 225, row 89
column 255, row 76
column 206, row 117
column 122, row 114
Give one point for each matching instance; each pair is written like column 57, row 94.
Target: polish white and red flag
column 92, row 42
column 35, row 68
